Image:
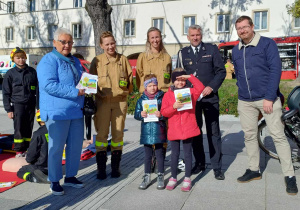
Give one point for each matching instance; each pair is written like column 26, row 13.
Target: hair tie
column 152, row 80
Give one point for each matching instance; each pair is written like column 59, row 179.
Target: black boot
column 115, row 163
column 101, row 164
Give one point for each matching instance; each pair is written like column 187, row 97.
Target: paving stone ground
column 123, row 193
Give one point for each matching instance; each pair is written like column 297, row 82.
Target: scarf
column 70, row 61
column 150, row 96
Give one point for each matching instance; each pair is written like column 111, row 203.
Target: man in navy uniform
column 205, row 60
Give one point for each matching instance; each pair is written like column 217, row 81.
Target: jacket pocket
column 166, row 75
column 103, row 79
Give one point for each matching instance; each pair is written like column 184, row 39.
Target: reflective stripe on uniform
column 18, row 140
column 101, row 144
column 47, row 137
column 25, row 175
column 117, row 144
column 27, row 139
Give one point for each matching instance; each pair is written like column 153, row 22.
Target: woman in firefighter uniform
column 114, row 84
column 155, row 60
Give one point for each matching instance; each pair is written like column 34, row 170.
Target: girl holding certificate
column 182, row 124
column 153, row 129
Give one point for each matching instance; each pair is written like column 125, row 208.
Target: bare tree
column 99, row 12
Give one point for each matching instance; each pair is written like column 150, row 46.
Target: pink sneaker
column 186, row 185
column 171, row 184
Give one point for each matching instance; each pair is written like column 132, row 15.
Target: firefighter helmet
column 17, row 50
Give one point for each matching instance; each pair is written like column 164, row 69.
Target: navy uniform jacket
column 209, row 67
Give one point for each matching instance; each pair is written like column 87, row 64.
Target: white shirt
column 194, row 48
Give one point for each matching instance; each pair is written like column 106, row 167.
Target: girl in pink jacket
column 182, row 125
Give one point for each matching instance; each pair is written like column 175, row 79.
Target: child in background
column 19, row 92
column 37, row 156
column 152, row 133
column 182, row 125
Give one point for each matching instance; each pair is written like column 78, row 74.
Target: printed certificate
column 184, row 96
column 88, row 82
column 150, row 106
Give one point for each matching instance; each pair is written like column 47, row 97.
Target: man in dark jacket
column 205, row 60
column 37, row 156
column 258, row 71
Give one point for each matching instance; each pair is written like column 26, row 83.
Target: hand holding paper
column 88, row 82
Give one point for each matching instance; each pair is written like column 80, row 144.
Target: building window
column 10, row 7
column 297, row 22
column 53, row 4
column 129, row 28
column 9, row 34
column 187, row 22
column 51, row 30
column 77, row 3
column 76, row 30
column 130, row 1
column 158, row 23
column 261, row 20
column 223, row 23
column 30, row 33
column 31, row 5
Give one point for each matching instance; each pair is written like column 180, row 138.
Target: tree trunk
column 99, row 12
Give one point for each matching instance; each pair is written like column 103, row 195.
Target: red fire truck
column 289, row 52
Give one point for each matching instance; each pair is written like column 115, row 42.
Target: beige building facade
column 30, row 24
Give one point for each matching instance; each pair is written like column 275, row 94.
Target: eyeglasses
column 63, row 42
column 242, row 28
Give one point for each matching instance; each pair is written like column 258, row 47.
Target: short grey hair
column 195, row 27
column 61, row 31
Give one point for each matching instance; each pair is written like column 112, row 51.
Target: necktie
column 196, row 52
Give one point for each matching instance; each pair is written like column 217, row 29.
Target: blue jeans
column 61, row 133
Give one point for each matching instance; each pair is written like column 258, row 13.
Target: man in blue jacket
column 258, row 70
column 205, row 61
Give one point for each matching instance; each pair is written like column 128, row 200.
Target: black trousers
column 159, row 154
column 175, row 152
column 211, row 115
column 23, row 125
column 30, row 169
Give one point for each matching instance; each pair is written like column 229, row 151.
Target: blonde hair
column 106, row 34
column 161, row 44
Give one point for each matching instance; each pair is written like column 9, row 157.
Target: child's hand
column 10, row 115
column 177, row 105
column 157, row 114
column 144, row 114
column 183, row 77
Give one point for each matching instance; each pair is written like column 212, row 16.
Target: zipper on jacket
column 244, row 54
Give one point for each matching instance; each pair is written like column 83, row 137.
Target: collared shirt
column 194, row 48
column 253, row 42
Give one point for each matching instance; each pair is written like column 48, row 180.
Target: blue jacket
column 151, row 132
column 258, row 69
column 59, row 98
